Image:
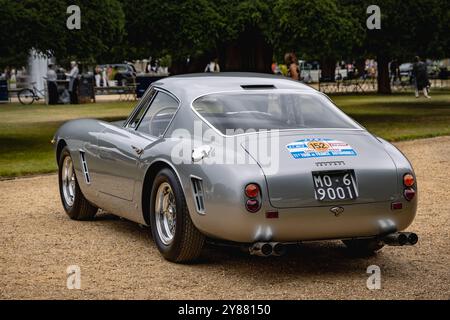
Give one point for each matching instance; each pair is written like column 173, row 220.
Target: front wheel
column 26, row 96
column 173, row 231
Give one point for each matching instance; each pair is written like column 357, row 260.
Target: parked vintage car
column 251, row 160
column 124, row 71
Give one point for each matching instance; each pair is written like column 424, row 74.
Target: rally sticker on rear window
column 315, row 148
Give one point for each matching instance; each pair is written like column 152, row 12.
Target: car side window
column 159, row 115
column 134, row 122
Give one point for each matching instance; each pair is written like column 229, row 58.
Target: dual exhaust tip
column 400, row 239
column 266, row 249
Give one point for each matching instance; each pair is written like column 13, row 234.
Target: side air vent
column 258, row 86
column 197, row 188
column 87, row 178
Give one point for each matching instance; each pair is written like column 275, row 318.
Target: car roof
column 190, row 86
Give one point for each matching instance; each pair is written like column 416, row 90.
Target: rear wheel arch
column 150, row 176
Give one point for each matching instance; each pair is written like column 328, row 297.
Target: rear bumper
column 304, row 224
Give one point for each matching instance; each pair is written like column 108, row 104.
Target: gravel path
column 118, row 259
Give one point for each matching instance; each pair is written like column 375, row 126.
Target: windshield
column 231, row 112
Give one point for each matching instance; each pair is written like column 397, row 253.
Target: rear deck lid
column 289, row 159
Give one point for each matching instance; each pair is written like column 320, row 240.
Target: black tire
column 81, row 209
column 363, row 247
column 26, row 96
column 187, row 241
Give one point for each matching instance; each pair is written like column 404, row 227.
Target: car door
column 120, row 148
column 118, row 153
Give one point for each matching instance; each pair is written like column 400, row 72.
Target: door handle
column 139, row 151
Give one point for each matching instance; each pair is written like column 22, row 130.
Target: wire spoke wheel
column 68, row 181
column 26, row 96
column 165, row 211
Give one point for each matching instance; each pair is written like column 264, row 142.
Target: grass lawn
column 26, row 131
column 400, row 116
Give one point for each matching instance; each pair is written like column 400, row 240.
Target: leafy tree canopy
column 132, row 29
column 42, row 25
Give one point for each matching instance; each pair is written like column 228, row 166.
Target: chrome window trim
column 157, row 90
column 279, row 130
column 139, row 106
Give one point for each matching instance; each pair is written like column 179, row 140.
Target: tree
column 408, row 28
column 323, row 30
column 243, row 34
column 182, row 28
column 41, row 25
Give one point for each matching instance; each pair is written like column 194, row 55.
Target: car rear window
column 232, row 112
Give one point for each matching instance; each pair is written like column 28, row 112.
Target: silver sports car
column 255, row 161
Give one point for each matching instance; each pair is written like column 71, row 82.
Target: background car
column 126, row 70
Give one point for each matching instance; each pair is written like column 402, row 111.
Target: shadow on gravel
column 306, row 259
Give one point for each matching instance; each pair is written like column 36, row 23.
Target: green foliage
column 316, row 29
column 42, row 25
column 134, row 29
column 181, row 28
column 408, row 28
column 165, row 61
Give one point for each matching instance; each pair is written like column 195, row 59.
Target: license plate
column 335, row 185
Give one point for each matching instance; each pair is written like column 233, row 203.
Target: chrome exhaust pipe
column 278, row 249
column 395, row 239
column 412, row 238
column 262, row 249
column 400, row 239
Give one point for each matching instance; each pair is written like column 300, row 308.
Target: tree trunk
column 328, row 69
column 250, row 53
column 360, row 65
column 384, row 83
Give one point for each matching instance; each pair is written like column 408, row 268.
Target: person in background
column 275, row 68
column 51, row 85
column 118, row 76
column 292, row 64
column 104, row 77
column 98, row 76
column 395, row 71
column 421, row 77
column 7, row 73
column 213, row 66
column 73, row 82
column 109, row 73
column 60, row 74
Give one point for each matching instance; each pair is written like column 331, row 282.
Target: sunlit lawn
column 400, row 116
column 26, row 131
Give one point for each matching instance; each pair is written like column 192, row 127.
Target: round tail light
column 252, row 190
column 252, row 205
column 409, row 194
column 408, row 180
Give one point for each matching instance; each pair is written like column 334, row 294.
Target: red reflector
column 396, row 205
column 409, row 194
column 252, row 205
column 272, row 214
column 252, row 190
column 408, row 180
